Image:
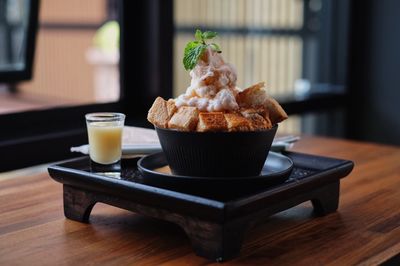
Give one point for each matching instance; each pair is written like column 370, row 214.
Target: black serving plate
column 154, row 171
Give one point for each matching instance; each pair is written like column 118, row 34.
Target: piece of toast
column 185, row 119
column 171, row 108
column 212, row 121
column 158, row 114
column 253, row 96
column 237, row 122
column 276, row 112
column 258, row 122
column 261, row 110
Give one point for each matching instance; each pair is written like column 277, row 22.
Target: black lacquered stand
column 215, row 224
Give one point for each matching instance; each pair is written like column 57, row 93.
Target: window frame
column 325, row 94
column 35, row 137
column 41, row 136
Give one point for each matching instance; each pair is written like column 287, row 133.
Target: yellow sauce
column 105, row 140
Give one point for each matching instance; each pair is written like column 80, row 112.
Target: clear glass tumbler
column 105, row 136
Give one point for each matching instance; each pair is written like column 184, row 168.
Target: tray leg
column 215, row 241
column 327, row 200
column 77, row 204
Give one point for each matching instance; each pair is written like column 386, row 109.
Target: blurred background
column 69, row 60
column 333, row 64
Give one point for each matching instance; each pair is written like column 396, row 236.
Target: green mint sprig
column 195, row 49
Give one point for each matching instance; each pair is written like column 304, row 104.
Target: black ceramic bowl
column 218, row 154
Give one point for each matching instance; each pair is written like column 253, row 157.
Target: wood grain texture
column 365, row 230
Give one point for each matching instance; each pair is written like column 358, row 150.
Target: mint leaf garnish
column 193, row 52
column 198, row 35
column 215, row 47
column 195, row 49
column 207, row 35
column 191, row 45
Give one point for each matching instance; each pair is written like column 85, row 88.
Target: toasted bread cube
column 276, row 112
column 263, row 112
column 171, row 107
column 212, row 121
column 257, row 97
column 253, row 96
column 258, row 122
column 158, row 113
column 268, row 122
column 258, row 110
column 185, row 119
column 237, row 122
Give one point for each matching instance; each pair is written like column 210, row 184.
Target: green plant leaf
column 193, row 52
column 198, row 35
column 215, row 47
column 209, row 35
column 194, row 49
column 191, row 45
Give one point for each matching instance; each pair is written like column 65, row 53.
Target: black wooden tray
column 214, row 220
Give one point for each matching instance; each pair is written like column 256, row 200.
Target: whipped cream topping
column 213, row 85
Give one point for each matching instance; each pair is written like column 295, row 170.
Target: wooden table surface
column 364, row 230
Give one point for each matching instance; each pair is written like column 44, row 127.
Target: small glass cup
column 105, row 137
